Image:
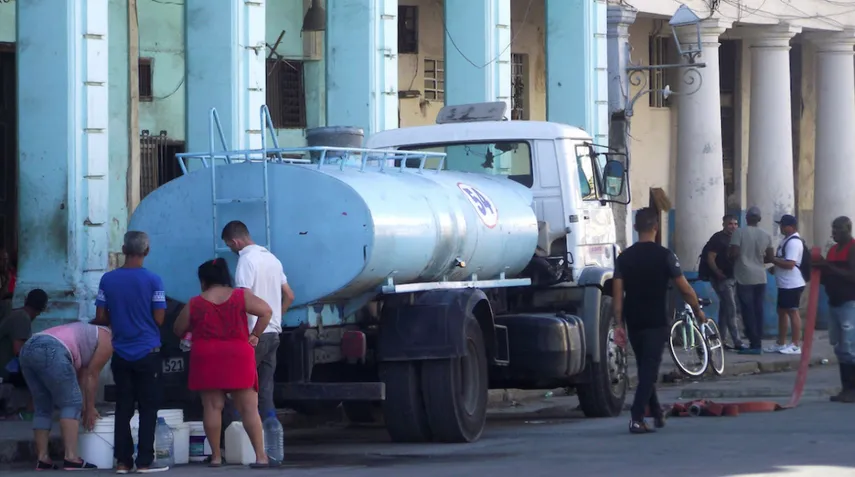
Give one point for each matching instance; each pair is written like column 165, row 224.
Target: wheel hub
column 617, row 363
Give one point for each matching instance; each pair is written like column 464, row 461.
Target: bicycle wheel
column 687, row 338
column 715, row 345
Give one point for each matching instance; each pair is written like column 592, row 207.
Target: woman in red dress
column 222, row 356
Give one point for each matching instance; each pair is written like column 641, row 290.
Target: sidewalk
column 16, row 436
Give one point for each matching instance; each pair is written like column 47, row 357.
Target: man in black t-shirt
column 644, row 272
column 722, row 281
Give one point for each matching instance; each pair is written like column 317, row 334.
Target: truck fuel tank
column 343, row 231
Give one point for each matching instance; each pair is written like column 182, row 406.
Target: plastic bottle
column 186, row 342
column 274, row 437
column 164, row 444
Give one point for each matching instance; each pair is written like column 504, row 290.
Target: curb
column 753, row 393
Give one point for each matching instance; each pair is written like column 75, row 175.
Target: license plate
column 173, row 365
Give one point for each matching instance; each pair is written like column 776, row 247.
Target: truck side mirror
column 614, row 176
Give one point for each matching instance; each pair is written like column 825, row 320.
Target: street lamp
column 682, row 23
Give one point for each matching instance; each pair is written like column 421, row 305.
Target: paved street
column 548, row 437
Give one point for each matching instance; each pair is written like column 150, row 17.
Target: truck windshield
column 508, row 158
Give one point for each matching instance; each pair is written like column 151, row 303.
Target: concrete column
column 570, row 63
column 226, row 69
column 700, row 178
column 362, row 64
column 835, row 141
column 477, row 51
column 63, row 117
column 619, row 20
column 770, row 145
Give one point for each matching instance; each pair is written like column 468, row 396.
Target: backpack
column 704, row 271
column 805, row 265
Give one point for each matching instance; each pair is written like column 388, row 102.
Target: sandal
column 271, row 463
column 82, row 465
column 210, row 461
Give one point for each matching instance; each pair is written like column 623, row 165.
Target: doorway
column 8, row 151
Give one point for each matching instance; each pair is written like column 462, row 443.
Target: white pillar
column 700, row 177
column 835, row 137
column 770, row 146
column 225, row 69
column 362, row 64
column 477, row 56
column 619, row 20
column 64, row 153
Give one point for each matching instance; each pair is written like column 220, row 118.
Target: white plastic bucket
column 96, row 446
column 181, row 440
column 200, row 448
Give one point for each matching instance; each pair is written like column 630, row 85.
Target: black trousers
column 648, row 346
column 137, row 385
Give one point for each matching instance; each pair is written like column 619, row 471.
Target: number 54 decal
column 487, row 211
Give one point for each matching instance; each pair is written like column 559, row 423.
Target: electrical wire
column 454, row 44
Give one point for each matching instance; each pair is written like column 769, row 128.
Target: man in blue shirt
column 132, row 301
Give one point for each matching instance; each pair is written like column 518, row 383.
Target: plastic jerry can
column 238, row 446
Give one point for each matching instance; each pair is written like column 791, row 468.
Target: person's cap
column 753, row 212
column 787, row 221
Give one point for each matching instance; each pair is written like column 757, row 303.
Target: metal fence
column 157, row 160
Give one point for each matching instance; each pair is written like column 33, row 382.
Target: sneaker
column 774, row 348
column 46, row 466
column 639, row 427
column 791, row 349
column 751, row 351
column 152, row 469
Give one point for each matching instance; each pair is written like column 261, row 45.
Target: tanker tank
column 342, row 232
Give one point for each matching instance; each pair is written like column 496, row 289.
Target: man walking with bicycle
column 642, row 276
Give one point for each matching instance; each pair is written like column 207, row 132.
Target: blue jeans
column 52, row 379
column 841, row 332
column 727, row 314
column 751, row 300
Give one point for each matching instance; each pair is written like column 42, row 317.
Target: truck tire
column 455, row 390
column 403, row 408
column 605, row 393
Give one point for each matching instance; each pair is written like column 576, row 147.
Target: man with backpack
column 791, row 274
column 717, row 268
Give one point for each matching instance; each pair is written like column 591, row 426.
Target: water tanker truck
column 432, row 265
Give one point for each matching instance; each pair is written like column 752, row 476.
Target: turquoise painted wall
column 161, row 35
column 161, row 38
column 7, row 22
column 118, row 99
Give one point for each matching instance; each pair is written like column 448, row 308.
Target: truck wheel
column 363, row 412
column 605, row 393
column 456, row 389
column 403, row 408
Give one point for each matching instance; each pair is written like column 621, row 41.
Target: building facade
column 770, row 124
column 97, row 96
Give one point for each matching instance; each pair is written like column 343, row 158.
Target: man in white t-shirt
column 260, row 271
column 791, row 284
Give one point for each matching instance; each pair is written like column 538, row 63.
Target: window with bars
column 408, row 29
column 660, row 54
column 286, row 94
column 519, row 64
column 434, row 80
column 145, row 75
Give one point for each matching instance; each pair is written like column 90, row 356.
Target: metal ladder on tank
column 226, row 155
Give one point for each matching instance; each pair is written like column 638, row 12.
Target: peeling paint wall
column 161, row 36
column 528, row 32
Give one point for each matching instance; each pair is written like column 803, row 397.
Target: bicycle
column 703, row 343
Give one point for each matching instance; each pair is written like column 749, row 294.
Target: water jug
column 164, row 444
column 274, row 437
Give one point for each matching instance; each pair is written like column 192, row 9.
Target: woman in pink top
column 61, row 366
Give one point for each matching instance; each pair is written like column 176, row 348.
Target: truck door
column 595, row 229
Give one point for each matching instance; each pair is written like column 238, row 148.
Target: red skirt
column 222, row 365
